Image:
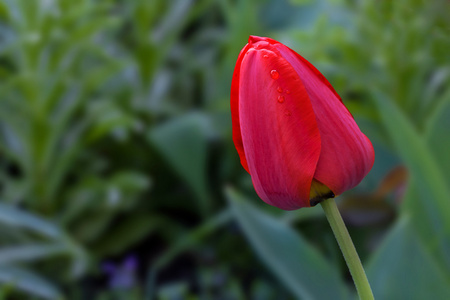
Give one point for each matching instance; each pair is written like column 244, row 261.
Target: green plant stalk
column 348, row 249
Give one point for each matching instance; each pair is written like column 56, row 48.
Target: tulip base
column 348, row 249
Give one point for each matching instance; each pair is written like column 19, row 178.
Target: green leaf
column 30, row 252
column 438, row 137
column 187, row 241
column 403, row 269
column 191, row 238
column 182, row 142
column 427, row 178
column 17, row 218
column 92, row 226
column 28, row 282
column 130, row 231
column 296, row 263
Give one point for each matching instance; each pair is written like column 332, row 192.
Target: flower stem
column 348, row 249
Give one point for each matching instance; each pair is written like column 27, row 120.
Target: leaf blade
column 295, row 262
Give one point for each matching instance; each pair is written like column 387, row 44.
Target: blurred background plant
column 119, row 179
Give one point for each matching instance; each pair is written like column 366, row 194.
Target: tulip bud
column 291, row 130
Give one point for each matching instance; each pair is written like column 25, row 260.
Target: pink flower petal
column 347, row 154
column 234, row 104
column 279, row 132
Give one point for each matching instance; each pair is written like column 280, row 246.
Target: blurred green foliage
column 119, row 179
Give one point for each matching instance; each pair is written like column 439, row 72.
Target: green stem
column 348, row 249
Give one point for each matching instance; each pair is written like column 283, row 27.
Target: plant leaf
column 13, row 216
column 131, row 230
column 28, row 282
column 426, row 178
column 403, row 269
column 30, row 252
column 182, row 142
column 296, row 263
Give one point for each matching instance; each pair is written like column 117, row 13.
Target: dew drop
column 266, row 56
column 280, row 90
column 280, row 99
column 288, row 92
column 274, row 74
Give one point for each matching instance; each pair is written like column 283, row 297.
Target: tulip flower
column 291, row 129
column 297, row 139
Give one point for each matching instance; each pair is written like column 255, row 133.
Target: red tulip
column 292, row 131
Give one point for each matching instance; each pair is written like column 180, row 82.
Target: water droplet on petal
column 266, row 56
column 280, row 99
column 274, row 74
column 280, row 90
column 288, row 92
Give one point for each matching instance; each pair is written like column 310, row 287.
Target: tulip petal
column 278, row 128
column 347, row 154
column 234, row 104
